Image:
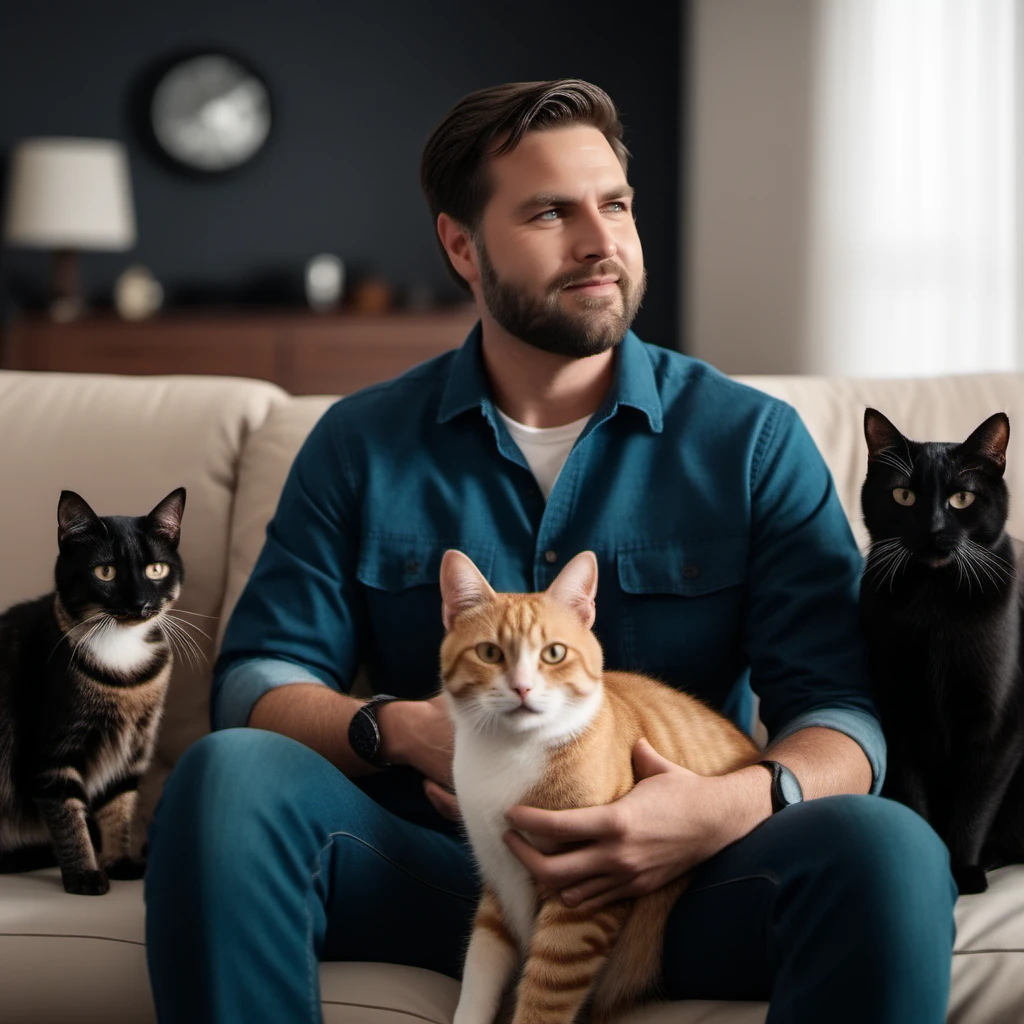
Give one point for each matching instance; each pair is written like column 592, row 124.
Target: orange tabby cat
column 537, row 721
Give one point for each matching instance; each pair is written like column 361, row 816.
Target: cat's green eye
column 491, row 653
column 961, row 499
column 553, row 653
column 157, row 570
column 904, row 496
column 104, row 572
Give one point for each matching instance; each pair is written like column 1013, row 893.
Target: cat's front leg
column 490, row 962
column 567, row 953
column 59, row 794
column 115, row 823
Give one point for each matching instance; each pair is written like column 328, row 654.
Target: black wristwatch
column 785, row 786
column 364, row 731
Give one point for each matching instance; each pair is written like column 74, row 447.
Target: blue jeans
column 264, row 859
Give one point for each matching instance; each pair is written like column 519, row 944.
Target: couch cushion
column 123, row 443
column 928, row 409
column 83, row 959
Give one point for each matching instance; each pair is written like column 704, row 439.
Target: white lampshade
column 69, row 194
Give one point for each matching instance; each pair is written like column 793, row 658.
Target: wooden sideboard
column 304, row 353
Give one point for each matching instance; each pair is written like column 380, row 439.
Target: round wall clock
column 210, row 112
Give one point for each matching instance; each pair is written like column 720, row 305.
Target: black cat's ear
column 988, row 443
column 882, row 436
column 76, row 517
column 165, row 519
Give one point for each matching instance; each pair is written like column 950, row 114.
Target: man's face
column 561, row 266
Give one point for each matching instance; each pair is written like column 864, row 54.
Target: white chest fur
column 120, row 648
column 491, row 774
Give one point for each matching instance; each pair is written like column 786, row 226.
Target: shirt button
column 691, row 572
column 412, row 566
column 550, row 557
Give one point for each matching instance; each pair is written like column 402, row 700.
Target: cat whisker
column 182, row 641
column 994, row 572
column 185, row 622
column 998, row 564
column 71, row 632
column 185, row 611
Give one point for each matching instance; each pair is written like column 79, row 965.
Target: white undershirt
column 545, row 448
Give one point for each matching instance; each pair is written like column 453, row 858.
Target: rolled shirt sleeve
column 299, row 617
column 802, row 629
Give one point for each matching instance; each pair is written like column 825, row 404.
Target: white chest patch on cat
column 121, row 649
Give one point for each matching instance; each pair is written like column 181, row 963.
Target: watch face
column 791, row 791
column 210, row 112
column 363, row 736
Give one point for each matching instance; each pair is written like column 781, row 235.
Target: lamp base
column 66, row 304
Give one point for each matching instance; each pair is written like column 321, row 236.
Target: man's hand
column 419, row 733
column 671, row 821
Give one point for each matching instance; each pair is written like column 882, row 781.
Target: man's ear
column 459, row 245
column 463, row 586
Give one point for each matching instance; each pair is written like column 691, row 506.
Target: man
column 724, row 556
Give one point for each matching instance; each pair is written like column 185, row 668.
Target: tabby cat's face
column 124, row 567
column 933, row 504
column 519, row 663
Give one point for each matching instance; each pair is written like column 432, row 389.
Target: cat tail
column 634, row 966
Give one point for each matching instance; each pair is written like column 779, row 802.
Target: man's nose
column 596, row 240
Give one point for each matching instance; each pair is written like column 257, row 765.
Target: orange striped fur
column 555, row 730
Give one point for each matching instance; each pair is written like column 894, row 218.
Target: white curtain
column 914, row 244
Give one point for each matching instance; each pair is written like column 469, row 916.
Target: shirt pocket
column 400, row 575
column 681, row 608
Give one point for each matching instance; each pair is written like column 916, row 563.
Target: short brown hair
column 453, row 171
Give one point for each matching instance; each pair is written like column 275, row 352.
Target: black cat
column 83, row 675
column 941, row 609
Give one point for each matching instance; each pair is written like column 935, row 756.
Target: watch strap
column 779, row 798
column 369, row 715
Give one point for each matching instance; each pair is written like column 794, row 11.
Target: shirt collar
column 634, row 384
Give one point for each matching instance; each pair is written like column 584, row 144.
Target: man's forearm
column 826, row 763
column 315, row 715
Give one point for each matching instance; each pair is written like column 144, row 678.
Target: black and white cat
column 83, row 676
column 941, row 609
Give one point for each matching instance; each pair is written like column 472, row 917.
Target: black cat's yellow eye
column 961, row 499
column 491, row 653
column 157, row 570
column 104, row 572
column 904, row 496
column 553, row 653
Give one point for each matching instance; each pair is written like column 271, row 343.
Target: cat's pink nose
column 522, row 689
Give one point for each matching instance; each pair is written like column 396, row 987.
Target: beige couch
column 124, row 442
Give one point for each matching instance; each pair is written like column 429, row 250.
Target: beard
column 545, row 324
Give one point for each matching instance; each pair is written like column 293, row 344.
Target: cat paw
column 126, row 869
column 969, row 879
column 85, row 883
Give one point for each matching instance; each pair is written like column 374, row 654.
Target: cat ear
column 989, row 441
column 165, row 519
column 575, row 587
column 882, row 436
column 75, row 516
column 462, row 586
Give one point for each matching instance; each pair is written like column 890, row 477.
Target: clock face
column 210, row 113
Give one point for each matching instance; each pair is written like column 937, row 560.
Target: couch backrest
column 924, row 409
column 123, row 443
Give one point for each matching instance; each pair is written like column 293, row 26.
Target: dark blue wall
column 357, row 89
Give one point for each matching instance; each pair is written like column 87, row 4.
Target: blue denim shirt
column 725, row 559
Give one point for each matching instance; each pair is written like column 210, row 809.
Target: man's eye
column 548, row 215
column 621, row 207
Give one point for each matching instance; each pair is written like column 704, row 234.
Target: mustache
column 604, row 269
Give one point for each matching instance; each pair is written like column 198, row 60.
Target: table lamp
column 69, row 194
